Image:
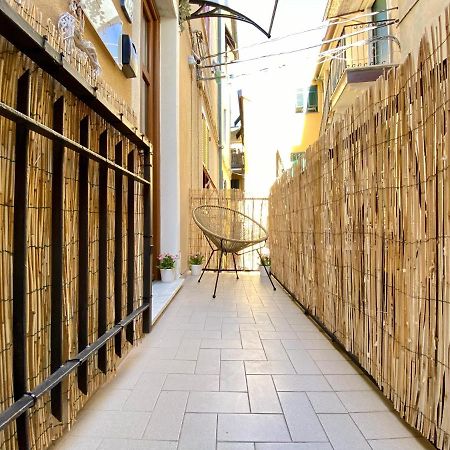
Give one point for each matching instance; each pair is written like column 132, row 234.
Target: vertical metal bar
column 118, row 246
column 103, row 250
column 57, row 257
column 83, row 249
column 20, row 282
column 147, row 275
column 130, row 248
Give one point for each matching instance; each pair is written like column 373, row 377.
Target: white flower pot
column 262, row 271
column 196, row 269
column 167, row 275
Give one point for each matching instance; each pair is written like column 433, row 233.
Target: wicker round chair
column 228, row 231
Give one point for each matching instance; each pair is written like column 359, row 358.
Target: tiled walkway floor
column 246, row 371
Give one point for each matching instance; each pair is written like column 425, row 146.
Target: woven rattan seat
column 228, row 231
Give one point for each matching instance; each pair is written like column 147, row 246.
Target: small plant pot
column 262, row 271
column 196, row 269
column 167, row 275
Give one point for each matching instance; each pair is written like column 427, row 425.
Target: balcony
column 365, row 56
column 238, row 162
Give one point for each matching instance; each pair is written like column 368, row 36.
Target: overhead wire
column 310, row 47
column 321, row 27
column 328, row 55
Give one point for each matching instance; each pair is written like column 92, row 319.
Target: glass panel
column 104, row 17
column 312, row 99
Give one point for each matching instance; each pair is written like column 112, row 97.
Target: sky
column 270, row 83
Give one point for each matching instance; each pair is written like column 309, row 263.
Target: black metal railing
column 60, row 369
column 359, row 47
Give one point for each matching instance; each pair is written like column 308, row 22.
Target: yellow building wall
column 196, row 98
column 415, row 18
column 310, row 131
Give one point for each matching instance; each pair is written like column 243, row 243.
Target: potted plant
column 196, row 263
column 264, row 263
column 167, row 267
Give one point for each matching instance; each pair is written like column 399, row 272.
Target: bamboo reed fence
column 254, row 207
column 44, row 428
column 361, row 235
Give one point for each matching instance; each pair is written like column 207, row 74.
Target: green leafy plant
column 264, row 260
column 184, row 12
column 166, row 261
column 196, row 260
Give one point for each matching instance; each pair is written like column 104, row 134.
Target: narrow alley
column 246, row 370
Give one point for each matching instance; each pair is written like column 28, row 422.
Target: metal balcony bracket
column 213, row 9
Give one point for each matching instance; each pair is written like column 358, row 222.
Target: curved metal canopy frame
column 218, row 10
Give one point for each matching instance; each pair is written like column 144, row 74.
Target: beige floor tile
column 342, row 432
column 221, row 343
column 232, row 376
column 349, row 383
column 381, row 425
column 303, row 363
column 314, row 383
column 111, row 424
column 262, row 394
column 301, row 418
column 252, row 428
column 167, row 417
column 327, row 355
column 145, row 393
column 218, row 402
column 208, row 361
column 274, row 350
column 196, row 382
column 108, row 399
column 71, row 442
column 294, row 446
column 337, row 368
column 235, row 446
column 133, row 444
column 251, row 340
column 242, row 355
column 198, row 432
column 188, row 349
column 326, row 402
column 401, row 444
column 363, row 401
column 170, row 366
column 269, row 367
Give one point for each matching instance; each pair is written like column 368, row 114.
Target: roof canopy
column 259, row 13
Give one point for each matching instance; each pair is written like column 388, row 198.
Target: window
column 235, row 184
column 380, row 46
column 313, row 100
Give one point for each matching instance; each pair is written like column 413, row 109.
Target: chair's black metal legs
column 234, row 261
column 204, row 268
column 218, row 273
column 267, row 272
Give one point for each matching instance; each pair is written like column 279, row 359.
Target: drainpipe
column 219, row 100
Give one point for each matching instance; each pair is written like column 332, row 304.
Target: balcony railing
column 360, row 48
column 237, row 161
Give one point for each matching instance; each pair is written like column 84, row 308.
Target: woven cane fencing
column 361, row 236
column 45, row 92
column 254, row 207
